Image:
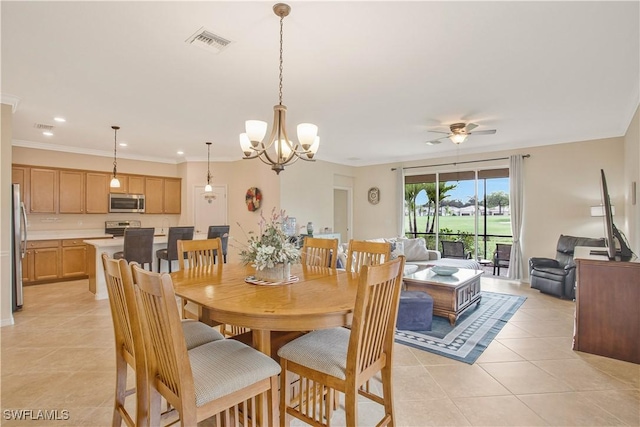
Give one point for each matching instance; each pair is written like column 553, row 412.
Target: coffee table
column 451, row 294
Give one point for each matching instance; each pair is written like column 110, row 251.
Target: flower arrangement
column 272, row 246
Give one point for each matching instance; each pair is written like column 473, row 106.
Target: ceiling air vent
column 42, row 126
column 207, row 40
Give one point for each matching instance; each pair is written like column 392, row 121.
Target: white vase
column 279, row 273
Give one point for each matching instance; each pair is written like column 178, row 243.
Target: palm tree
column 430, row 188
column 410, row 193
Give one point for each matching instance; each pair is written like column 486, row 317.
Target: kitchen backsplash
column 49, row 222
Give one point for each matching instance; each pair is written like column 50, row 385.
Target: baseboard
column 7, row 322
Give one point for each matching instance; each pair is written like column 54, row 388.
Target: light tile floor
column 59, row 356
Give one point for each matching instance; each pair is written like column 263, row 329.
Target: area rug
column 473, row 332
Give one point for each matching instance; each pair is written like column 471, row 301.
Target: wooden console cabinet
column 607, row 307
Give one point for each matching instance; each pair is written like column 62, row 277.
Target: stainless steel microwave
column 126, row 202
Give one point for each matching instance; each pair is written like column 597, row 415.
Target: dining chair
column 170, row 253
column 138, row 246
column 501, row 257
column 203, row 253
column 118, row 277
column 451, row 249
column 362, row 253
column 221, row 231
column 198, row 253
column 319, row 252
column 225, row 378
column 343, row 360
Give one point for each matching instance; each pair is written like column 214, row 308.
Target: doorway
column 342, row 213
column 209, row 209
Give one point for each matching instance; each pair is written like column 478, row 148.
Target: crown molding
column 12, row 100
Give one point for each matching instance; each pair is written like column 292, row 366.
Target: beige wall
column 631, row 175
column 561, row 183
column 6, row 318
column 307, row 191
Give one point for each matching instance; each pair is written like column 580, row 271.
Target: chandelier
column 115, row 182
column 278, row 151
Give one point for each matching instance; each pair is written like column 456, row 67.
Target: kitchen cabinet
column 163, row 195
column 71, row 191
column 135, row 184
column 129, row 184
column 20, row 175
column 74, row 258
column 43, row 190
column 97, row 194
column 154, row 195
column 45, row 255
column 172, row 195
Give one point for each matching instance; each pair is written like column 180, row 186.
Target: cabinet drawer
column 72, row 242
column 43, row 244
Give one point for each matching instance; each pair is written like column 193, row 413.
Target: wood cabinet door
column 20, row 175
column 27, row 267
column 154, row 195
column 45, row 263
column 136, row 184
column 74, row 260
column 97, row 194
column 71, row 192
column 172, row 195
column 43, row 190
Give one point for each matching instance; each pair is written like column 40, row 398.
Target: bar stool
column 170, row 253
column 138, row 246
column 221, row 231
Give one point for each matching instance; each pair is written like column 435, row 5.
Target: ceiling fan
column 459, row 133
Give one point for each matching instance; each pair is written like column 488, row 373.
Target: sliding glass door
column 470, row 206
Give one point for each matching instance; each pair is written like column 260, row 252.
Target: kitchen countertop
column 67, row 234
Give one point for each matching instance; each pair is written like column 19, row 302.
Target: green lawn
column 496, row 225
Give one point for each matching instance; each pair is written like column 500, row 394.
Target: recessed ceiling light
column 123, row 144
column 180, row 153
column 47, row 133
column 60, row 119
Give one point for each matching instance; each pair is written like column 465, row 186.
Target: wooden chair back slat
column 199, row 253
column 319, row 252
column 374, row 316
column 362, row 253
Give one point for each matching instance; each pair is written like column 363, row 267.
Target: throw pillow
column 415, row 250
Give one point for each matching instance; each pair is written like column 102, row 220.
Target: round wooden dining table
column 317, row 298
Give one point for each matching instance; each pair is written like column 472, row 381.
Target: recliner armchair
column 558, row 276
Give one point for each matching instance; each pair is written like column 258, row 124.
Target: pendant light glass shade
column 115, row 182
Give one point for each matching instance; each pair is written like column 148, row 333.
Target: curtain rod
column 460, row 163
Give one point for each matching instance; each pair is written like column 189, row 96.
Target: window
column 472, row 206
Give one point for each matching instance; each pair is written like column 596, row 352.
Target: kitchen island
column 96, row 247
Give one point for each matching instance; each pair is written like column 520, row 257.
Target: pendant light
column 279, row 151
column 115, row 182
column 208, row 188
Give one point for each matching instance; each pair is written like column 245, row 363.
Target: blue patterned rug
column 473, row 332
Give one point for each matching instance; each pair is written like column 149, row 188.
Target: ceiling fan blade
column 470, row 127
column 435, row 141
column 438, row 131
column 484, row 132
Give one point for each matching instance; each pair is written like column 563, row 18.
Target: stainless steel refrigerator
column 18, row 244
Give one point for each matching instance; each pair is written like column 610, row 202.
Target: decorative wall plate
column 374, row 195
column 253, row 199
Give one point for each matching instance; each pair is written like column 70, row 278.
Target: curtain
column 516, row 201
column 400, row 201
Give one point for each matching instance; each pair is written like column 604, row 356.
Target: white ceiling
column 374, row 76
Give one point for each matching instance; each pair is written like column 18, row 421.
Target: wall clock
column 253, row 199
column 374, row 195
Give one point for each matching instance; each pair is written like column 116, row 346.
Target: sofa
column 417, row 256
